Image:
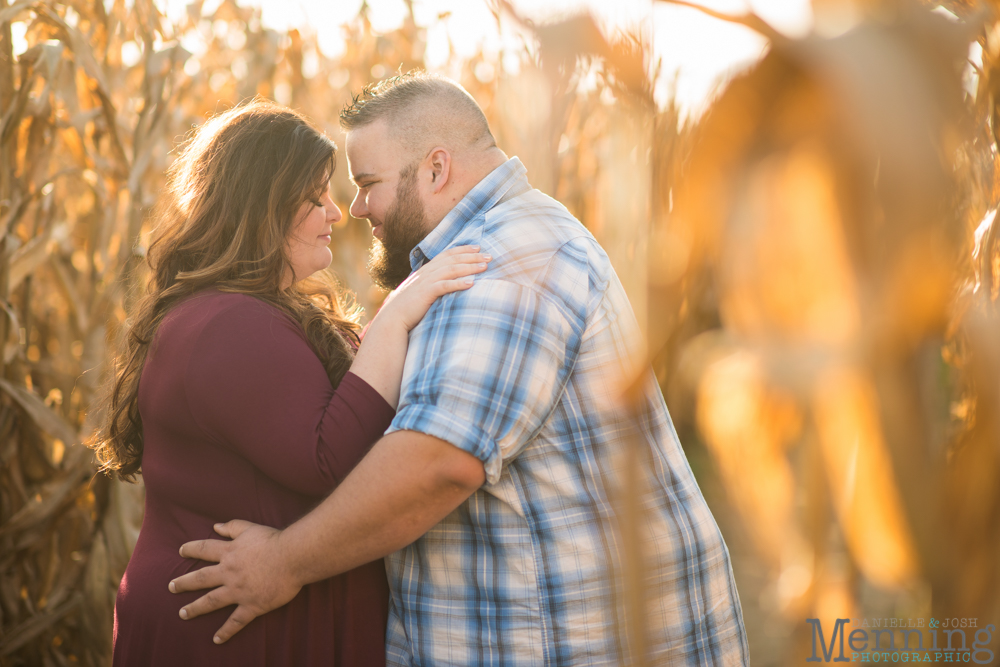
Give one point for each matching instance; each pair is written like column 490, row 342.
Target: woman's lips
column 325, row 238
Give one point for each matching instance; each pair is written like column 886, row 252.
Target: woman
column 240, row 392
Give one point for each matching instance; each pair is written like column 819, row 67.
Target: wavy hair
column 223, row 221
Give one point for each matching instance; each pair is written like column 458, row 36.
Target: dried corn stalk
column 89, row 115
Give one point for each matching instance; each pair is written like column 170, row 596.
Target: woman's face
column 308, row 242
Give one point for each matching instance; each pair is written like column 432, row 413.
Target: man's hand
column 250, row 574
column 405, row 485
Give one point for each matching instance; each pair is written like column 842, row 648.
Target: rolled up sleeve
column 485, row 369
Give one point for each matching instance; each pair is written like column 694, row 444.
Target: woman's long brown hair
column 223, row 221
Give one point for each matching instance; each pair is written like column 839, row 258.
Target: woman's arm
column 256, row 387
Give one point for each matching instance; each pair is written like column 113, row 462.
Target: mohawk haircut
column 420, row 107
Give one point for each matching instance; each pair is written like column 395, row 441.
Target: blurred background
column 798, row 196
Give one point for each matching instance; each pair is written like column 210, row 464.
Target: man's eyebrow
column 357, row 178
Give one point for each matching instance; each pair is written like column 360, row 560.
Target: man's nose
column 359, row 207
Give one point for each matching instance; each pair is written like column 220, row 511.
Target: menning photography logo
column 877, row 640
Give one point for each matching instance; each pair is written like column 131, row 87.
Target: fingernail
column 467, row 281
column 487, row 256
column 217, row 639
column 475, row 248
column 184, row 614
column 217, row 526
column 482, row 266
column 172, row 587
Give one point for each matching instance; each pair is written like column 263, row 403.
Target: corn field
column 814, row 259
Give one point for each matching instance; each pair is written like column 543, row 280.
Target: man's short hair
column 420, row 108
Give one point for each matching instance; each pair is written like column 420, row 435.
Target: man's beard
column 403, row 228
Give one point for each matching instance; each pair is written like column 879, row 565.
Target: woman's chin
column 323, row 260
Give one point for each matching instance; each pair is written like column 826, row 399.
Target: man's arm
column 400, row 490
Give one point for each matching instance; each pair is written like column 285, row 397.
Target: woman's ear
column 439, row 163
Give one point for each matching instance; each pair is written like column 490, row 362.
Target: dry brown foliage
column 838, row 210
column 815, row 262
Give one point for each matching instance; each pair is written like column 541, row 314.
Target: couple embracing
column 437, row 491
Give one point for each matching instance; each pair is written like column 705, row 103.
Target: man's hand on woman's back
column 251, row 574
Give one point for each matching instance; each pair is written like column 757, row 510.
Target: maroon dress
column 241, row 422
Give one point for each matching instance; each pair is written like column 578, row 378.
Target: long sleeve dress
column 241, row 422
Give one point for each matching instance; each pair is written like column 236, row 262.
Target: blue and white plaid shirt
column 524, row 370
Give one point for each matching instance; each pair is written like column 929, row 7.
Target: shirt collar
column 509, row 179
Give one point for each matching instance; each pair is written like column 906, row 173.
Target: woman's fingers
column 452, row 267
column 456, row 265
column 460, row 255
column 467, row 257
column 459, row 250
column 452, row 271
column 470, row 257
column 455, row 273
column 443, row 287
column 448, row 265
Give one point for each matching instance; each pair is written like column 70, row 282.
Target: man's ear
column 439, row 166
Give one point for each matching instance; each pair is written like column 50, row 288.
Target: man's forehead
column 367, row 136
column 369, row 149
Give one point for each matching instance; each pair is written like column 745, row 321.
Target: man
column 491, row 493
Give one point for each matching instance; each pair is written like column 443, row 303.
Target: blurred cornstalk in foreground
column 815, row 262
column 823, row 274
column 837, row 213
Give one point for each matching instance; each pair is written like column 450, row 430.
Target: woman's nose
column 333, row 213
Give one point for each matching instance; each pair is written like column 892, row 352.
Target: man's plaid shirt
column 525, row 370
